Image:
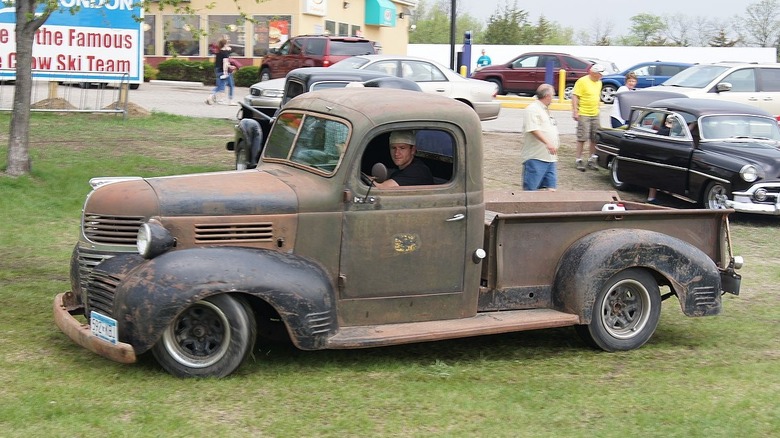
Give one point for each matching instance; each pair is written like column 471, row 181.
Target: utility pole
column 452, row 34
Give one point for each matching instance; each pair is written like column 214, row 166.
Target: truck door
column 403, row 250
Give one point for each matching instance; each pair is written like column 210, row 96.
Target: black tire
column 714, row 196
column 608, row 93
column 496, row 81
column 625, row 312
column 243, row 159
column 135, row 86
column 265, row 74
column 210, row 338
column 613, row 177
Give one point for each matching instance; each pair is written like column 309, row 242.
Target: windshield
column 307, row 140
column 697, row 76
column 739, row 127
column 354, row 62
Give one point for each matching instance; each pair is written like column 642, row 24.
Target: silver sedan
column 432, row 77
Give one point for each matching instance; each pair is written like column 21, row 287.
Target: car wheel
column 613, row 176
column 567, row 91
column 608, row 93
column 715, row 196
column 243, row 159
column 265, row 75
column 625, row 313
column 210, row 338
column 135, row 86
column 500, row 88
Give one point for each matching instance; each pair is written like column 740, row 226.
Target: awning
column 380, row 13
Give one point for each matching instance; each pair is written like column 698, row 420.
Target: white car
column 752, row 84
column 266, row 96
column 432, row 77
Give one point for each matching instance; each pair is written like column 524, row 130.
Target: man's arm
column 551, row 148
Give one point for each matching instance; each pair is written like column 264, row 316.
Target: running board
column 488, row 323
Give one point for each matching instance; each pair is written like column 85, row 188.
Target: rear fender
column 152, row 293
column 591, row 261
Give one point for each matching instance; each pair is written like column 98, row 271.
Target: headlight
column 749, row 173
column 269, row 92
column 153, row 239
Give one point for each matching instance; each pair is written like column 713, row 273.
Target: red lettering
column 4, row 36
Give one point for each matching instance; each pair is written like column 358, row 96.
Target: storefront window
column 270, row 32
column 149, row 34
column 228, row 26
column 357, row 31
column 182, row 35
column 343, row 29
column 330, row 27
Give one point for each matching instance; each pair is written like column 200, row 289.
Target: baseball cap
column 597, row 68
column 405, row 137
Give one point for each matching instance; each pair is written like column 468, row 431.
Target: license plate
column 103, row 327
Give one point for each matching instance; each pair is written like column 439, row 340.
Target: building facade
column 272, row 22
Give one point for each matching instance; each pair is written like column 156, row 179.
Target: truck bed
column 526, row 232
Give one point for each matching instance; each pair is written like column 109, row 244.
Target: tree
column 647, row 30
column 507, row 27
column 27, row 23
column 761, row 23
column 677, row 29
column 432, row 26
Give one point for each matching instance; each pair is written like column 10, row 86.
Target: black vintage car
column 255, row 123
column 720, row 154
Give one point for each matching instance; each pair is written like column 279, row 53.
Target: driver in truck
column 410, row 171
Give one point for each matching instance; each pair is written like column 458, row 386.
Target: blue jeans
column 538, row 174
column 220, row 83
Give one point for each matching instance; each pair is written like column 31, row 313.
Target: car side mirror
column 723, row 86
column 379, row 172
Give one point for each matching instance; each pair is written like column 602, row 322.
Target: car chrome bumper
column 80, row 333
column 745, row 205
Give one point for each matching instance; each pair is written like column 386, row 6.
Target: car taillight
column 325, row 63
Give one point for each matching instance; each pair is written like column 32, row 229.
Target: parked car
column 717, row 153
column 751, row 84
column 609, row 66
column 311, row 51
column 647, row 75
column 525, row 73
column 434, row 78
column 257, row 112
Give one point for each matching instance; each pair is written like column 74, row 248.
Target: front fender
column 154, row 292
column 591, row 261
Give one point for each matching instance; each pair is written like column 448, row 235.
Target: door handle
column 457, row 217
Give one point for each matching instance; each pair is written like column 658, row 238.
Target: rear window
column 350, row 48
column 770, row 79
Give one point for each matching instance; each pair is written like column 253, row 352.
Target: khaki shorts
column 586, row 128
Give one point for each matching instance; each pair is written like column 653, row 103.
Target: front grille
column 232, row 233
column 87, row 262
column 111, row 230
column 100, row 292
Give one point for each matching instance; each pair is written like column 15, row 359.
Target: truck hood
column 223, row 194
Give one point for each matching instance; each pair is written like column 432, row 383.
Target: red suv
column 312, row 51
column 525, row 73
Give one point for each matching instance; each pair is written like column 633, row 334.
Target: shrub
column 150, row 73
column 176, row 69
column 246, row 76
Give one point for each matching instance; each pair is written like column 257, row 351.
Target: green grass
column 697, row 377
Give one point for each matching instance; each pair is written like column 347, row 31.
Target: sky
column 582, row 15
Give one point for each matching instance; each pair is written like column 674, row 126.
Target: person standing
column 483, row 61
column 585, row 100
column 220, row 70
column 540, row 142
column 616, row 117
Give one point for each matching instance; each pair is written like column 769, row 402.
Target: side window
column 296, row 46
column 421, row 71
column 285, row 49
column 435, row 148
column 527, row 62
column 388, row 67
column 544, row 60
column 315, row 46
column 577, row 64
column 293, row 89
column 770, row 79
column 643, row 71
column 742, row 80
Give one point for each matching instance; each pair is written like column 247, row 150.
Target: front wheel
column 500, row 88
column 625, row 313
column 608, row 93
column 210, row 338
column 715, row 196
column 567, row 91
column 243, row 159
column 265, row 75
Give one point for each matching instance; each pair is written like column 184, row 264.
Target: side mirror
column 379, row 172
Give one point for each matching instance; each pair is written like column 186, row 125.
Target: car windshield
column 307, row 140
column 739, row 127
column 698, row 76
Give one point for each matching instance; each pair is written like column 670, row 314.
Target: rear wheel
column 613, row 176
column 567, row 91
column 625, row 312
column 210, row 338
column 715, row 196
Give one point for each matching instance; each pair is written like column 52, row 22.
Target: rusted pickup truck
column 194, row 268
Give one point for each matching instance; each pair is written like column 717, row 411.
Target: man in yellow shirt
column 585, row 100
